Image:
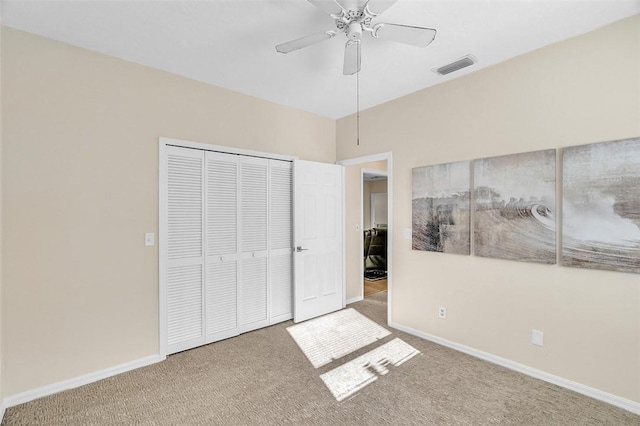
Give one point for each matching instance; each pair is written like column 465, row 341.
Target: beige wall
column 80, row 177
column 371, row 187
column 354, row 226
column 79, row 187
column 583, row 90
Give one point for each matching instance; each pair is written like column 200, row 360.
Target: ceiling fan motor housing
column 352, row 23
column 354, row 31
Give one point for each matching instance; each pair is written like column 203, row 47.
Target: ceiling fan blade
column 416, row 36
column 376, row 7
column 351, row 57
column 329, row 6
column 305, row 41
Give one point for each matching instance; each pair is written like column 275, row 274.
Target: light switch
column 537, row 337
column 407, row 233
column 149, row 239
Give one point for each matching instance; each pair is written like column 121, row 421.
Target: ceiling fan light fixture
column 458, row 64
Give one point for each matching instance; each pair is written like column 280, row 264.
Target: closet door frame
column 163, row 143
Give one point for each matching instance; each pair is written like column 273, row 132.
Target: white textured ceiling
column 231, row 43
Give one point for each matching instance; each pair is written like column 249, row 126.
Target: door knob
column 299, row 249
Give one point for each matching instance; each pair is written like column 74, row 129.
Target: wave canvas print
column 515, row 207
column 440, row 208
column 601, row 206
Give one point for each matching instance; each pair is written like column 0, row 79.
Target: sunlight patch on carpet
column 335, row 335
column 354, row 375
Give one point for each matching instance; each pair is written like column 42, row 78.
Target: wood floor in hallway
column 373, row 287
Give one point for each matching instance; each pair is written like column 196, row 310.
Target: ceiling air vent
column 463, row 62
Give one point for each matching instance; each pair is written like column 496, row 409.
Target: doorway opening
column 381, row 163
column 375, row 223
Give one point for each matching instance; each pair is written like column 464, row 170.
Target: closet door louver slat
column 253, row 303
column 185, row 327
column 229, row 245
column 280, row 240
column 253, row 263
column 184, row 310
column 280, row 203
column 222, row 204
column 253, row 177
column 222, row 300
column 281, row 287
column 222, row 245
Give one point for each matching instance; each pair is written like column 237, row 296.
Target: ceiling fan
column 355, row 18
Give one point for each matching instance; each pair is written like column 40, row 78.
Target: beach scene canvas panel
column 440, row 208
column 601, row 206
column 515, row 207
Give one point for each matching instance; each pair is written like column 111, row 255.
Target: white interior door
column 318, row 265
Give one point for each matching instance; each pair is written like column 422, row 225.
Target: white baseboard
column 618, row 401
column 354, row 299
column 85, row 379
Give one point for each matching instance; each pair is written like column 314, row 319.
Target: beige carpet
column 263, row 378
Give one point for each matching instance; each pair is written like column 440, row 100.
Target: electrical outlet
column 537, row 337
column 442, row 312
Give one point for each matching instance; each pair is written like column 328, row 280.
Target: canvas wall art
column 601, row 206
column 515, row 207
column 440, row 208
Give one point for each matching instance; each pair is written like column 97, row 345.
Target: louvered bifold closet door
column 221, row 233
column 253, row 243
column 280, row 240
column 185, row 260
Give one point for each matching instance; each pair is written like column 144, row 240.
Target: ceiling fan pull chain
column 358, row 103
